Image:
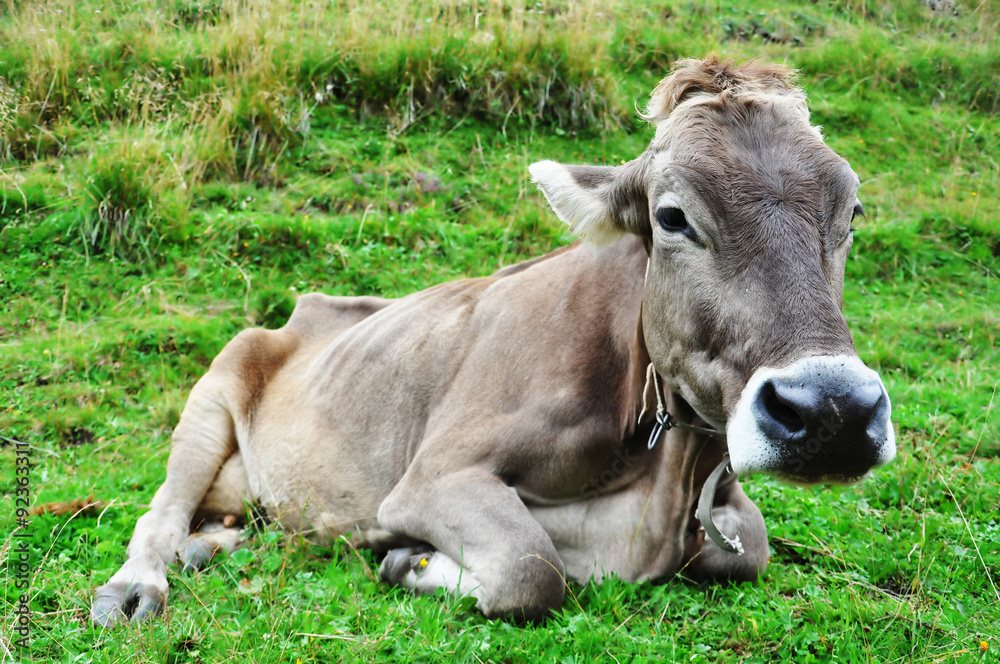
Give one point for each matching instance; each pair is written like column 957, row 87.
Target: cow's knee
column 536, row 587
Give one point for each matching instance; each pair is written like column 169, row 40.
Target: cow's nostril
column 879, row 422
column 782, row 409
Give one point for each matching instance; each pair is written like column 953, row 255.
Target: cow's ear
column 598, row 203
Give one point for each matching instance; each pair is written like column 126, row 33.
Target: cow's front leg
column 485, row 543
column 734, row 514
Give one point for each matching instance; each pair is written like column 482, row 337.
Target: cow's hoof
column 399, row 562
column 212, row 538
column 196, row 553
column 115, row 603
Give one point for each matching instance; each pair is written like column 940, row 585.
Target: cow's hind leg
column 203, row 440
column 734, row 514
column 485, row 543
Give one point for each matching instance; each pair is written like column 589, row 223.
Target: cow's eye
column 672, row 219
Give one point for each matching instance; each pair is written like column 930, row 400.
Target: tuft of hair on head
column 711, row 76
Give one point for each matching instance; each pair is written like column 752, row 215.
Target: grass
column 173, row 172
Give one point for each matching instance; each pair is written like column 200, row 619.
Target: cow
column 582, row 414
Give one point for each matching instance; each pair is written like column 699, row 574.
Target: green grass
column 173, row 172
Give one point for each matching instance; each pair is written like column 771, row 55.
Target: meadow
column 172, row 172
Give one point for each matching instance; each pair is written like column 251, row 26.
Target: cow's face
column 746, row 214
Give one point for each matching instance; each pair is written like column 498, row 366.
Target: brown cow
column 497, row 435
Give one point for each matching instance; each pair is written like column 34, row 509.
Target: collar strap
column 664, row 421
column 704, row 511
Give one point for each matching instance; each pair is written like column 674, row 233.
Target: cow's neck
column 687, row 450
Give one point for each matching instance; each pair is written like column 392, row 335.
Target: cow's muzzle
column 819, row 419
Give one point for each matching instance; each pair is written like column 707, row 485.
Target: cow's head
column 746, row 214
